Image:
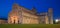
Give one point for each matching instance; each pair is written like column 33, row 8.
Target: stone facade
column 3, row 21
column 20, row 15
column 50, row 15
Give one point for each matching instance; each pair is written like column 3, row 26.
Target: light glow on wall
column 56, row 20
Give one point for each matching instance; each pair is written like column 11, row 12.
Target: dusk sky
column 41, row 6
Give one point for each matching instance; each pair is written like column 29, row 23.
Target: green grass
column 29, row 25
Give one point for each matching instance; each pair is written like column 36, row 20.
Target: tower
column 50, row 15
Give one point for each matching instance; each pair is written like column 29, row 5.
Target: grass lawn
column 29, row 25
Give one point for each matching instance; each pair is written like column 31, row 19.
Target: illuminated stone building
column 50, row 15
column 21, row 15
column 3, row 21
column 43, row 18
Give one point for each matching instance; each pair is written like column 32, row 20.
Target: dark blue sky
column 41, row 5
